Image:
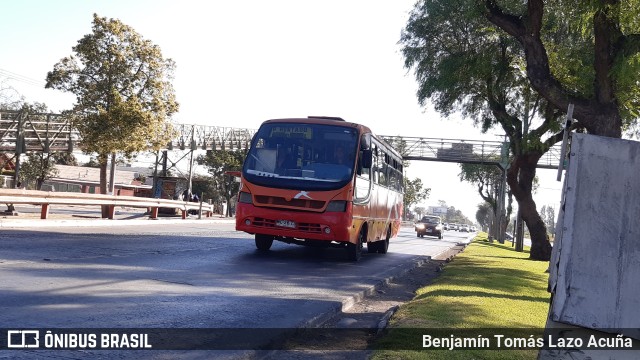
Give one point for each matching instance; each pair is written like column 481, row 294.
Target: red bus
column 320, row 181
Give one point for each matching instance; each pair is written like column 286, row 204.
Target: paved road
column 183, row 275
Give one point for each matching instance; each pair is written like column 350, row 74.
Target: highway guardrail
column 48, row 198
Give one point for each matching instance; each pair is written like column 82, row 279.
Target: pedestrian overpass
column 22, row 132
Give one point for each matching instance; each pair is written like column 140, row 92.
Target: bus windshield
column 302, row 156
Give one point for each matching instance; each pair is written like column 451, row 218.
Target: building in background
column 437, row 210
column 128, row 180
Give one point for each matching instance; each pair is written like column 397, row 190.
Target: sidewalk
column 78, row 215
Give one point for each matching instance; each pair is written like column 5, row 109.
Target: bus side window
column 384, row 180
column 392, row 178
column 363, row 180
column 365, row 159
column 362, row 170
column 374, row 169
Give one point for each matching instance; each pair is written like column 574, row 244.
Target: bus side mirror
column 365, row 142
column 367, row 158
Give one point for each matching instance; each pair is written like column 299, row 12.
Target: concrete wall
column 595, row 266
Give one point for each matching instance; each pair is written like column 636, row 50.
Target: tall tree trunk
column 494, row 227
column 504, row 224
column 540, row 245
column 520, row 179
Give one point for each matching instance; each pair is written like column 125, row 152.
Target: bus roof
column 333, row 120
column 320, row 120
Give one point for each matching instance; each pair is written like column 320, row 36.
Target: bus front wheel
column 264, row 242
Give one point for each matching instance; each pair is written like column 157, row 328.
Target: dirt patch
column 356, row 327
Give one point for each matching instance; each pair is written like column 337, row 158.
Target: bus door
column 364, row 184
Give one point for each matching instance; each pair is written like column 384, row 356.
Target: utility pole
column 504, row 165
column 112, row 175
column 492, row 225
column 155, row 176
column 519, row 235
column 21, row 146
column 503, row 191
column 193, row 149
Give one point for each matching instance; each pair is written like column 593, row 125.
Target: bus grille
column 294, row 203
column 306, row 227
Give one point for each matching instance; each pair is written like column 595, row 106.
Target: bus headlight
column 245, row 198
column 337, row 206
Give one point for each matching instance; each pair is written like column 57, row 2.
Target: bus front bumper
column 328, row 226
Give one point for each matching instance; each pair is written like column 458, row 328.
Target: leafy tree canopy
column 38, row 168
column 124, row 94
column 219, row 163
column 414, row 193
column 584, row 53
column 484, row 214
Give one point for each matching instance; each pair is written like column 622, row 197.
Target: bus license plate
column 286, row 223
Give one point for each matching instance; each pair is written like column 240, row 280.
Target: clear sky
column 242, row 62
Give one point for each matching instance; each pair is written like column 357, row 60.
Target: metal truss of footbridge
column 22, row 132
column 464, row 151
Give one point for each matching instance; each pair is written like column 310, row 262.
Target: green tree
column 65, row 158
column 487, row 179
column 484, row 215
column 414, row 192
column 219, row 164
column 10, row 98
column 413, row 189
column 38, row 168
column 204, row 187
column 583, row 53
column 400, row 145
column 42, row 166
column 548, row 214
column 93, row 163
column 124, row 95
column 464, row 64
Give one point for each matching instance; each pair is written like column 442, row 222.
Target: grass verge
column 489, row 285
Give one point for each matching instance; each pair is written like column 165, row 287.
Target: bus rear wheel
column 354, row 251
column 264, row 242
column 380, row 246
column 383, row 245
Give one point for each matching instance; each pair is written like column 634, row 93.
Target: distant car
column 453, row 226
column 430, row 226
column 508, row 236
column 445, row 226
column 465, row 228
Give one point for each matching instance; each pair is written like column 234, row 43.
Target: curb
column 359, row 296
column 37, row 223
column 349, row 302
